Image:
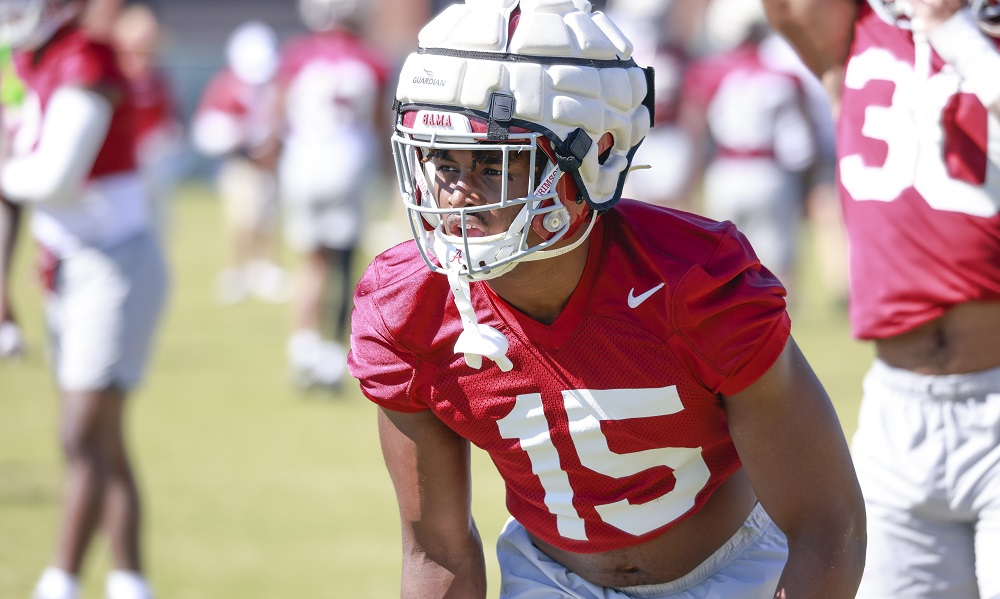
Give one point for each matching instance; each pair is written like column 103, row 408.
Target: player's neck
column 541, row 289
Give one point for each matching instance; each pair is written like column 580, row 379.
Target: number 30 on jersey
column 913, row 126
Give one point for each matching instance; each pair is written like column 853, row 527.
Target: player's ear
column 604, row 146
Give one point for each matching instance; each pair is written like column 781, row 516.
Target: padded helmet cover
column 568, row 69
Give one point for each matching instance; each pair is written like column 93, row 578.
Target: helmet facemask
column 451, row 237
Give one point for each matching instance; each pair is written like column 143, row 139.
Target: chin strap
column 477, row 340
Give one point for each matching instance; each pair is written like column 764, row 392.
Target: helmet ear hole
column 604, row 146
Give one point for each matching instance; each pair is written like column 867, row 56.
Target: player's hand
column 932, row 13
column 11, row 342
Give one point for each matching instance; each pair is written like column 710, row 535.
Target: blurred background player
column 753, row 135
column 73, row 160
column 236, row 121
column 332, row 89
column 137, row 38
column 917, row 84
column 12, row 92
column 822, row 204
column 656, row 32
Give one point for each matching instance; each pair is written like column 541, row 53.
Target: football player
column 661, row 41
column 137, row 37
column 73, row 162
column 332, row 85
column 629, row 368
column 754, row 119
column 918, row 88
column 236, row 121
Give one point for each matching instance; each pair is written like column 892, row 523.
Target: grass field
column 253, row 490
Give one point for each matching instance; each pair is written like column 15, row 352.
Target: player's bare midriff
column 966, row 339
column 674, row 553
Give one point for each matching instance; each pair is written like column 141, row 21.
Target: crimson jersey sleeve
column 730, row 311
column 86, row 67
column 222, row 94
column 387, row 371
column 700, row 81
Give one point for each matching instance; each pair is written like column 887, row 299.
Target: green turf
column 253, row 490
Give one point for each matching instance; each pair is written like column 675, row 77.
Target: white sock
column 56, row 584
column 125, row 584
column 332, row 363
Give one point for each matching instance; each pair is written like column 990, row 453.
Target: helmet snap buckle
column 555, row 220
column 570, row 153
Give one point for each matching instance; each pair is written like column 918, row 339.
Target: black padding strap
column 570, row 153
column 501, row 112
column 650, row 100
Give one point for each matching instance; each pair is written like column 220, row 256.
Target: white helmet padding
column 568, row 70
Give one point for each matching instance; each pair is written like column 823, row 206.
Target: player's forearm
column 426, row 578
column 823, row 566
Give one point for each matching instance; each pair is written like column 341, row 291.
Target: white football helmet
column 729, row 23
column 547, row 77
column 324, row 15
column 27, row 24
column 252, row 52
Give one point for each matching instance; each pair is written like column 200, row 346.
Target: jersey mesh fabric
column 713, row 324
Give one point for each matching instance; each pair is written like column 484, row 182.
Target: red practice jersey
column 70, row 58
column 154, row 103
column 745, row 101
column 919, row 179
column 252, row 107
column 333, row 82
column 610, row 428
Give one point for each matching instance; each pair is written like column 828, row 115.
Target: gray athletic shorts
column 746, row 567
column 103, row 312
column 927, row 453
column 323, row 206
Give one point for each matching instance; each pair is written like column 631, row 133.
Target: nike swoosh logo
column 635, row 300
